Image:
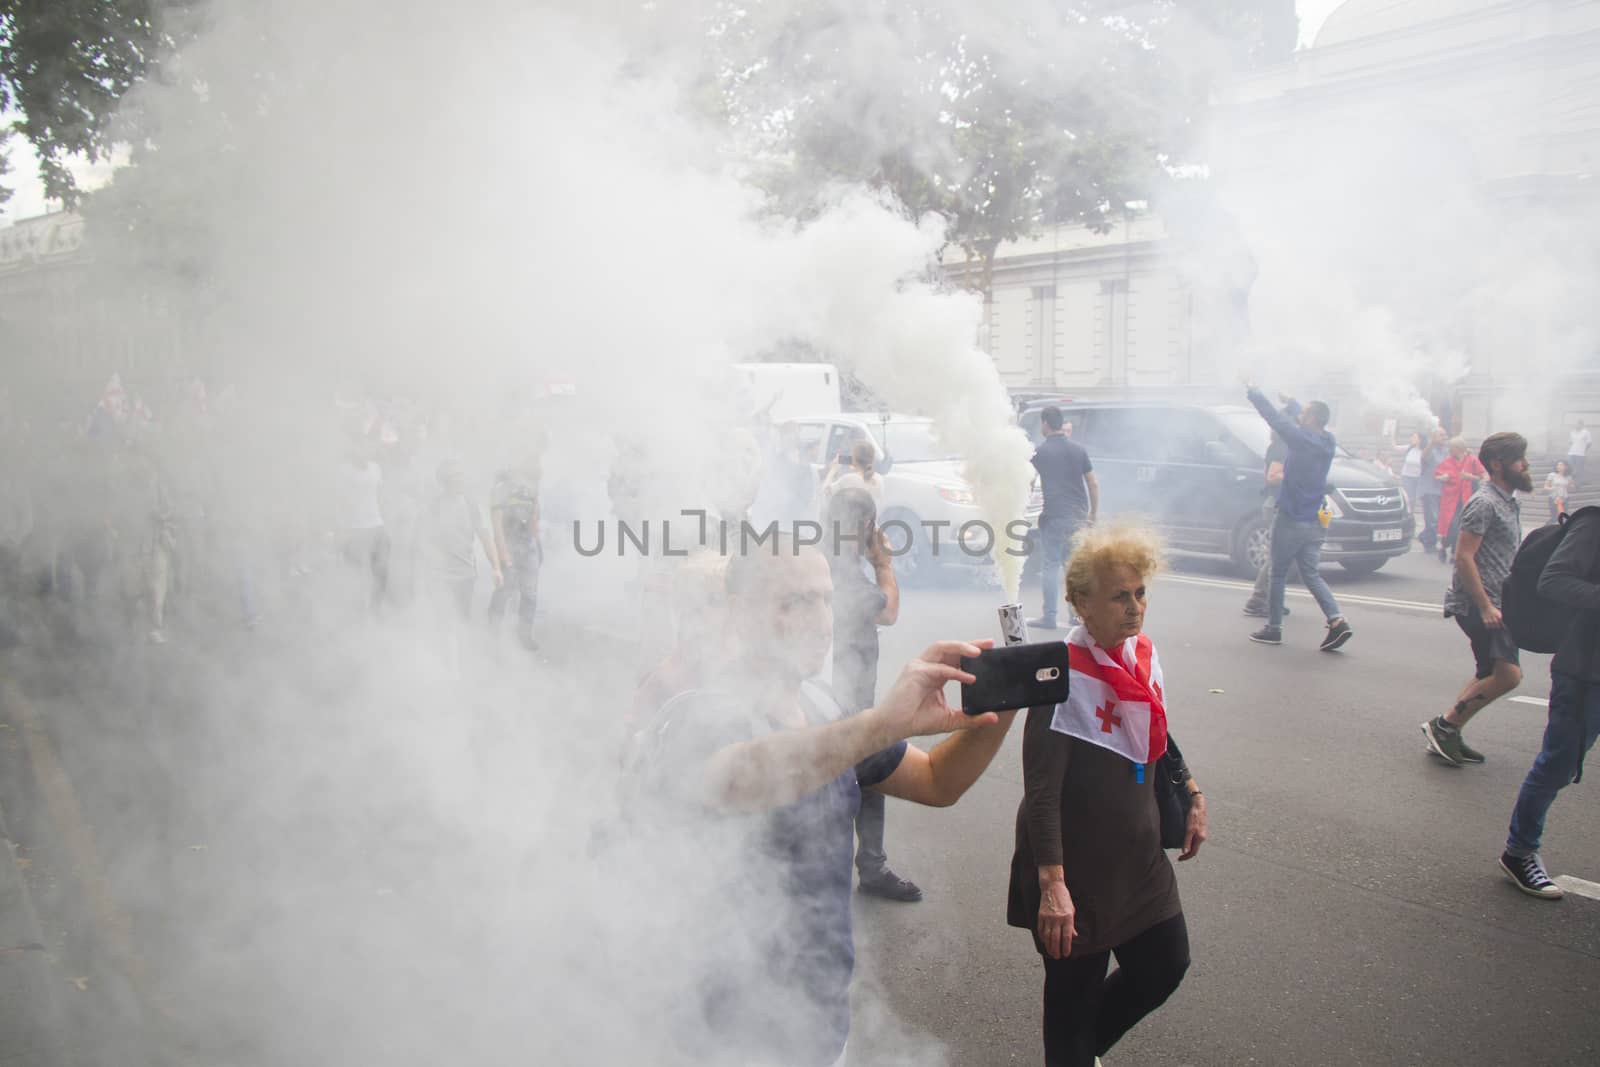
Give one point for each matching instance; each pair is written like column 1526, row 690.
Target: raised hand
column 915, row 704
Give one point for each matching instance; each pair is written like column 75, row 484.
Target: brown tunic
column 1082, row 808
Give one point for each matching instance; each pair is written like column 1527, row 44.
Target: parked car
column 922, row 483
column 1198, row 473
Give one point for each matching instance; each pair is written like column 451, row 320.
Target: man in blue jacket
column 1297, row 532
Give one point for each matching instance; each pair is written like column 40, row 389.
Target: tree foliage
column 1002, row 120
column 66, row 67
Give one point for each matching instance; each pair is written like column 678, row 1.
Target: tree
column 66, row 67
column 1002, row 120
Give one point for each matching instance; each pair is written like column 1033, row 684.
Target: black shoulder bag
column 1172, row 795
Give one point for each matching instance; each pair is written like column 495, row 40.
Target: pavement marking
column 1538, row 702
column 1581, row 886
column 1344, row 598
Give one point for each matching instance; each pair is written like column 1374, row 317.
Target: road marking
column 1580, row 886
column 1538, row 702
column 1344, row 598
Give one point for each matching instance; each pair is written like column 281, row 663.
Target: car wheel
column 914, row 563
column 1363, row 566
column 1251, row 546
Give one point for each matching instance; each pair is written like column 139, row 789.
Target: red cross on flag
column 1115, row 700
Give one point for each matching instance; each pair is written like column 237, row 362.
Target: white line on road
column 1538, row 702
column 1580, row 886
column 1344, row 598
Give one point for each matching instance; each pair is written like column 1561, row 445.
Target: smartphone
column 1015, row 676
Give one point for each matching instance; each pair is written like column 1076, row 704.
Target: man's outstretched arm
column 1281, row 421
column 780, row 768
column 939, row 778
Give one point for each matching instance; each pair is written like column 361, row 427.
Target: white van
column 787, row 390
column 922, row 487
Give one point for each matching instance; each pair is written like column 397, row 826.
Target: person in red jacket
column 1459, row 475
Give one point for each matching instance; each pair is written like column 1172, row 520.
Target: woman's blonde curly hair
column 1126, row 541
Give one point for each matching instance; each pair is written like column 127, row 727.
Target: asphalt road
column 1347, row 909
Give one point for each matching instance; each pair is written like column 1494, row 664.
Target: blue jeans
column 1430, row 521
column 523, row 582
column 1055, row 542
column 1574, row 724
column 1298, row 544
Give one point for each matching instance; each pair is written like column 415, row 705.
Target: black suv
column 1198, row 472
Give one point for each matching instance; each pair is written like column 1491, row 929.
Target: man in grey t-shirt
column 1491, row 532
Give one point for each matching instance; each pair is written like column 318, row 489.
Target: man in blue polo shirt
column 768, row 772
column 1297, row 531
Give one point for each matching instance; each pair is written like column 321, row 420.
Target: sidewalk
column 32, row 1031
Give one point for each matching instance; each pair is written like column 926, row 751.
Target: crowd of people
column 730, row 723
column 114, row 521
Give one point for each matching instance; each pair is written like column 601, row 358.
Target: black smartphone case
column 1015, row 676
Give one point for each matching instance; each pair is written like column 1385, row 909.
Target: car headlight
column 957, row 494
column 1331, row 508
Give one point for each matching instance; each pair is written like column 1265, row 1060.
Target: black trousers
column 1086, row 1012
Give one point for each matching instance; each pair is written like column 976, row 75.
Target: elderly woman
column 1459, row 476
column 1089, row 876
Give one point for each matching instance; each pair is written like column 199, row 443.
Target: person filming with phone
column 1089, row 876
column 768, row 770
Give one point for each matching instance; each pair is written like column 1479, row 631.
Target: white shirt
column 1581, row 440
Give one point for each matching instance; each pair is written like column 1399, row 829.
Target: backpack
column 1537, row 624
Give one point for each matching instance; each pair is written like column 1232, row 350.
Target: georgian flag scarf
column 1116, row 700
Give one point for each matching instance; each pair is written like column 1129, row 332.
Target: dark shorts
column 1487, row 645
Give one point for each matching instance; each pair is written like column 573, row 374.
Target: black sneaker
column 1444, row 741
column 890, row 886
column 1468, row 753
column 1528, row 874
column 1338, row 633
column 1268, row 635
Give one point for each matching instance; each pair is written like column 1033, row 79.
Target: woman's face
column 1416, row 440
column 1113, row 610
column 1561, row 467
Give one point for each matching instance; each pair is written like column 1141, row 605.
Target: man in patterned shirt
column 1491, row 531
column 514, row 520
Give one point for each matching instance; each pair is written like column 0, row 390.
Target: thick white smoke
column 460, row 207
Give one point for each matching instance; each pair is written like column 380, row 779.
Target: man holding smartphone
column 766, row 772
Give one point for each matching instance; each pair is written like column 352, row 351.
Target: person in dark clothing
column 1089, row 877
column 1071, row 498
column 1432, row 489
column 1277, row 452
column 861, row 604
column 1298, row 530
column 1574, row 718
